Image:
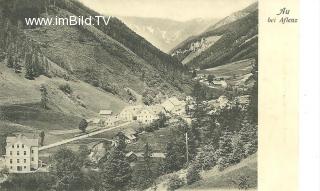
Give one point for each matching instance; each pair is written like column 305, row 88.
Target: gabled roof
column 128, row 132
column 94, row 120
column 23, row 139
column 105, row 112
column 130, row 154
column 168, row 106
column 175, row 101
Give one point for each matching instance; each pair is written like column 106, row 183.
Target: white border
column 309, row 96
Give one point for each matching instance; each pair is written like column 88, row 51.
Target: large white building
column 22, row 154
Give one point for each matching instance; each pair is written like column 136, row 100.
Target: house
column 219, row 103
column 98, row 151
column 130, row 135
column 95, row 122
column 130, row 113
column 21, row 154
column 174, row 106
column 105, row 113
column 111, row 121
column 147, row 116
column 131, row 157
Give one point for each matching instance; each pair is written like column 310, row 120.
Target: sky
column 180, row 10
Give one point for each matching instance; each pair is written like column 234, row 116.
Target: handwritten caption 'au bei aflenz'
column 283, row 16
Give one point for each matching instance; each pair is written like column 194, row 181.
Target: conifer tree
column 193, row 174
column 225, row 150
column 44, row 96
column 116, row 171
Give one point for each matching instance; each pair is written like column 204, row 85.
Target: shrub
column 193, row 174
column 242, row 183
column 65, row 88
column 175, row 182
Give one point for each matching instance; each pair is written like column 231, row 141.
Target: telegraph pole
column 187, row 148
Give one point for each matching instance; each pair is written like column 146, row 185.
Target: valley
column 103, row 108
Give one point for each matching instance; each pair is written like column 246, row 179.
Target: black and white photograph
column 129, row 95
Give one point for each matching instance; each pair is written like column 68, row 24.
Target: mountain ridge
column 234, row 41
column 166, row 33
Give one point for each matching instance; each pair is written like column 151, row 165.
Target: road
column 80, row 137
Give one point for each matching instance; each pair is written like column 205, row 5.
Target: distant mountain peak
column 165, row 33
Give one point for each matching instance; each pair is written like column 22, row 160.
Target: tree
column 116, row 171
column 162, row 120
column 66, row 166
column 194, row 73
column 225, row 150
column 210, row 78
column 193, row 174
column 17, row 66
column 42, row 135
column 10, row 61
column 44, row 96
column 207, row 157
column 175, row 182
column 144, row 176
column 174, row 160
column 199, row 92
column 147, row 154
column 28, row 65
column 83, row 125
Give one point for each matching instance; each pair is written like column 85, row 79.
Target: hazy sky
column 173, row 9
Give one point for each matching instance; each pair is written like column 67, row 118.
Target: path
column 80, row 137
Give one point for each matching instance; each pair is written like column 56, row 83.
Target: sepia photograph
column 139, row 95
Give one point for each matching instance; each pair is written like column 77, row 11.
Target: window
column 24, row 152
column 10, row 161
column 24, row 167
column 32, row 159
column 12, row 146
column 22, row 145
column 10, row 167
column 17, row 152
column 25, row 160
column 10, row 152
column 17, row 145
column 32, row 151
column 18, row 160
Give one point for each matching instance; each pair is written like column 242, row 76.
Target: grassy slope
column 15, row 89
column 215, row 180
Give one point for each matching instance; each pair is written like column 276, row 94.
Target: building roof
column 105, row 112
column 94, row 120
column 130, row 154
column 23, row 139
column 175, row 101
column 168, row 106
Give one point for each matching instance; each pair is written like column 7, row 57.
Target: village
column 23, row 154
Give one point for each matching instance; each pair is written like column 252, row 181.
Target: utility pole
column 187, row 148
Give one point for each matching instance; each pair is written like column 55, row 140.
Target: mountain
column 232, row 39
column 105, row 66
column 165, row 33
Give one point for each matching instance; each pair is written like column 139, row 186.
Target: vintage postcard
column 117, row 95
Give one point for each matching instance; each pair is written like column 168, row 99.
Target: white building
column 105, row 113
column 130, row 113
column 147, row 116
column 22, row 154
column 111, row 121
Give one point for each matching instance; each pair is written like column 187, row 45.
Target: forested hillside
column 232, row 39
column 110, row 57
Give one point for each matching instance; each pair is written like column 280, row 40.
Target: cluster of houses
column 140, row 113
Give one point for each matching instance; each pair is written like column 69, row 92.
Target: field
column 230, row 70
